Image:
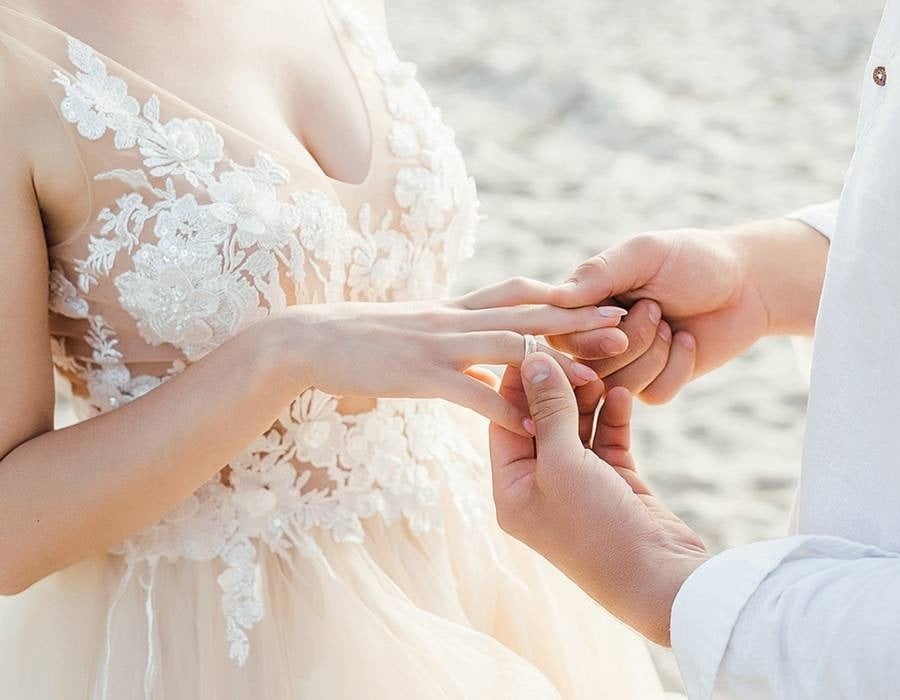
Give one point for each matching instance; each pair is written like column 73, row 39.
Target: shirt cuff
column 709, row 604
column 821, row 217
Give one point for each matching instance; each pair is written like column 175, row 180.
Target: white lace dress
column 339, row 556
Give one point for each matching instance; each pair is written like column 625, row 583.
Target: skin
column 697, row 299
column 586, row 508
column 577, row 497
column 67, row 494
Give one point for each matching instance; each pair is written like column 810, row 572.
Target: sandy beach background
column 586, row 122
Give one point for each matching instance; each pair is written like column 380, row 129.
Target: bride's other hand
column 429, row 349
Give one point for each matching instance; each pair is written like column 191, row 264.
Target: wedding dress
column 340, row 555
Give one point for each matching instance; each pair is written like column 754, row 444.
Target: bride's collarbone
column 249, row 72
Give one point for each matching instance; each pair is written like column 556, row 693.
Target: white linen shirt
column 817, row 614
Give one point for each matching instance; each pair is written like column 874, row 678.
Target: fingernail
column 528, row 424
column 655, row 313
column 664, row 332
column 584, row 372
column 536, row 371
column 611, row 311
column 687, row 340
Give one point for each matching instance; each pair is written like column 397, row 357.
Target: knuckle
column 653, row 397
column 518, row 285
column 594, row 266
column 645, row 243
column 579, row 344
column 510, row 341
column 549, row 406
column 662, row 343
column 642, row 239
column 641, row 334
column 434, row 317
column 656, row 396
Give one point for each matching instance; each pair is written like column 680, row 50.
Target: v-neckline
column 162, row 92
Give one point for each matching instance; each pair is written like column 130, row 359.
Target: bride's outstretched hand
column 428, row 349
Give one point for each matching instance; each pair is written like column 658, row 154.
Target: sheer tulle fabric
column 451, row 614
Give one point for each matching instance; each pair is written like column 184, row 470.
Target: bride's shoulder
column 18, row 103
column 38, row 157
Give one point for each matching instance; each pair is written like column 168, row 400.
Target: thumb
column 613, row 273
column 553, row 408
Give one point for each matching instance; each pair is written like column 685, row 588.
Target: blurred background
column 587, row 122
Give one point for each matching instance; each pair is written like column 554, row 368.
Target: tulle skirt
column 453, row 613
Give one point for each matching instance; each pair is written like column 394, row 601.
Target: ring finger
column 508, row 348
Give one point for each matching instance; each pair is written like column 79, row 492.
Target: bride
column 243, row 212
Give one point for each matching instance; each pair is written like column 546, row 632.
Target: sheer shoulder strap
column 31, row 36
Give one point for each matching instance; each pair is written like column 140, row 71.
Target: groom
column 812, row 615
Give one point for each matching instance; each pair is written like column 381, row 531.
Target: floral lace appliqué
column 199, row 247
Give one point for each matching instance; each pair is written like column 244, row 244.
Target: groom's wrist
column 783, row 263
column 665, row 574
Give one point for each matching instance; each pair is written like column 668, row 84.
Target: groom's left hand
column 586, row 509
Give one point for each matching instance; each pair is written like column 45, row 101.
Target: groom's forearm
column 785, row 262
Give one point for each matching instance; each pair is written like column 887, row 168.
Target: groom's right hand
column 708, row 287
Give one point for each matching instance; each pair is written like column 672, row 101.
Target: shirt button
column 879, row 75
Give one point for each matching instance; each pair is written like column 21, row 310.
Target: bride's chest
column 302, row 96
column 198, row 228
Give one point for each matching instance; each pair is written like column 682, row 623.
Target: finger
column 588, row 398
column 613, row 439
column 511, row 292
column 508, row 348
column 640, row 326
column 617, row 271
column 512, row 446
column 678, row 371
column 638, row 375
column 542, row 319
column 597, row 344
column 483, row 375
column 512, row 460
column 553, row 409
column 469, row 392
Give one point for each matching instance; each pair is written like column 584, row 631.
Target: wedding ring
column 531, row 344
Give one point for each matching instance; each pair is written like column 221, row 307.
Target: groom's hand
column 697, row 281
column 586, row 509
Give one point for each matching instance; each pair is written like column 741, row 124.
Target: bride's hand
column 424, row 349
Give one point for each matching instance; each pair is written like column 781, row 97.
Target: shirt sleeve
column 798, row 617
column 820, row 216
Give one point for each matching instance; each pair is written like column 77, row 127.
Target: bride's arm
column 66, row 494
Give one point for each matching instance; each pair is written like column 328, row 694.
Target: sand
column 586, row 122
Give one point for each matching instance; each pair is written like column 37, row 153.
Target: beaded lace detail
column 199, row 247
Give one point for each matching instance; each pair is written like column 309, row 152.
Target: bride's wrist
column 285, row 350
